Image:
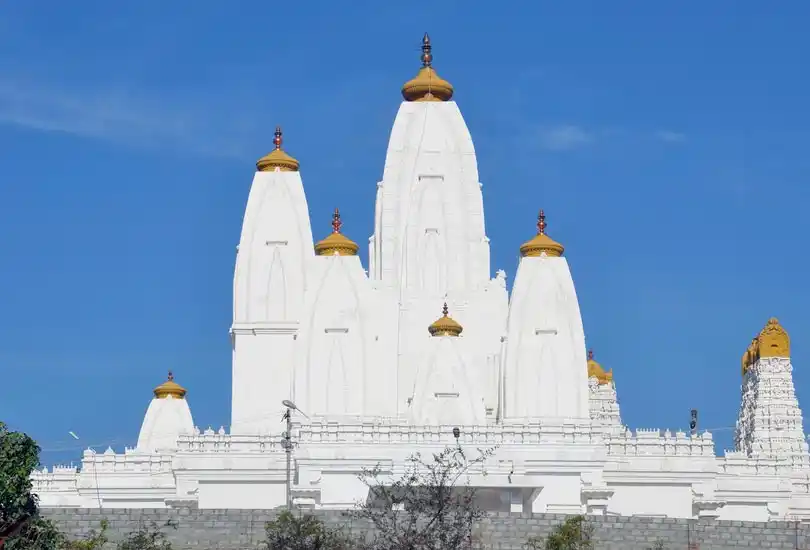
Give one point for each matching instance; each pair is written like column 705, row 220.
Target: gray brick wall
column 244, row 529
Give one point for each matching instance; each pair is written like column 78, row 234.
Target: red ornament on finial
column 336, row 223
column 277, row 138
column 590, row 355
column 171, row 376
column 445, row 310
column 427, row 57
column 541, row 223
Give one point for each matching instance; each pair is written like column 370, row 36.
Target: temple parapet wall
column 654, row 442
column 738, row 463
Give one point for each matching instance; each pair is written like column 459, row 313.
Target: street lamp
column 286, row 443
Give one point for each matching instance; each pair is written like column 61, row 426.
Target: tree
column 426, row 508
column 575, row 533
column 19, row 456
column 95, row 540
column 304, row 532
column 147, row 537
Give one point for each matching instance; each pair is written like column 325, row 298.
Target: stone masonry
column 244, row 529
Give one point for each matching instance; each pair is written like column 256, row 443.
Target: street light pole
column 286, row 442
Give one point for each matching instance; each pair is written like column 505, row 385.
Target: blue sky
column 665, row 141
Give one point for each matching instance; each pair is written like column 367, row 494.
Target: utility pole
column 286, row 442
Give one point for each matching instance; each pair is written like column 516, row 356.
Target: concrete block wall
column 244, row 529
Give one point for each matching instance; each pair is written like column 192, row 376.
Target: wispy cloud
column 111, row 115
column 564, row 138
column 669, row 136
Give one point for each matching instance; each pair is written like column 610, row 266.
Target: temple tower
column 603, row 402
column 271, row 277
column 167, row 418
column 545, row 372
column 429, row 243
column 769, row 424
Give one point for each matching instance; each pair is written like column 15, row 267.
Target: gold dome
column 772, row 341
column 277, row 158
column 595, row 370
column 170, row 388
column 541, row 243
column 427, row 86
column 336, row 242
column 445, row 325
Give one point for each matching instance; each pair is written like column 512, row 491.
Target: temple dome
column 541, row 244
column 427, row 85
column 336, row 242
column 445, row 325
column 595, row 370
column 277, row 158
column 170, row 388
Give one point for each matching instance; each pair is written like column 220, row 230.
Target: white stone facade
column 351, row 348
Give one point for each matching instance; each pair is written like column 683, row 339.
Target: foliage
column 304, row 532
column 426, row 508
column 19, row 456
column 37, row 534
column 147, row 537
column 657, row 545
column 575, row 533
column 95, row 540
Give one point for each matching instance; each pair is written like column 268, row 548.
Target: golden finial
column 445, row 325
column 170, row 388
column 772, row 341
column 541, row 244
column 595, row 370
column 427, row 86
column 277, row 159
column 336, row 242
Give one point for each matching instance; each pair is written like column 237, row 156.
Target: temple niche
column 425, row 349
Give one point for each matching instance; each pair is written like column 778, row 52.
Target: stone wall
column 244, row 529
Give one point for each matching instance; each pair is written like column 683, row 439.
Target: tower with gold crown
column 769, row 424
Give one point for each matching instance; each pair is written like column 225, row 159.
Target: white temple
column 389, row 360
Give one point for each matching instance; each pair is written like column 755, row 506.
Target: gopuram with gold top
column 390, row 358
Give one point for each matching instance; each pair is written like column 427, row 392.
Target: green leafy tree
column 426, row 508
column 148, row 536
column 575, row 533
column 37, row 534
column 19, row 456
column 95, row 540
column 304, row 532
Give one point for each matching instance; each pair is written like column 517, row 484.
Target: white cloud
column 108, row 115
column 670, row 137
column 564, row 138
